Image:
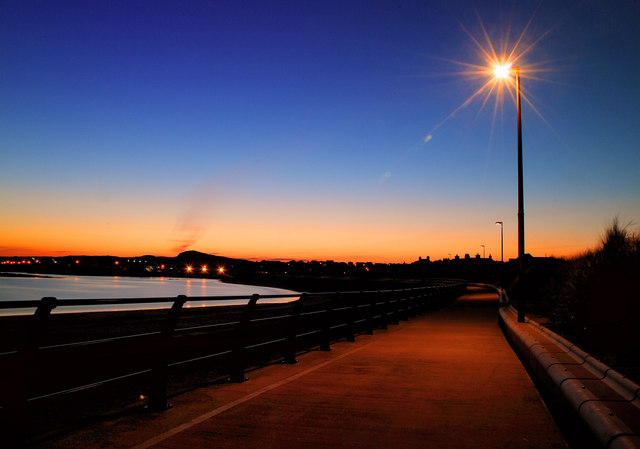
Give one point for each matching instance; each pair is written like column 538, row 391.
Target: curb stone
column 605, row 400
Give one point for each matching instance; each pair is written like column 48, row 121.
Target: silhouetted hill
column 210, row 263
column 198, row 256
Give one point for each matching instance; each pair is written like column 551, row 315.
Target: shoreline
column 29, row 275
column 297, row 284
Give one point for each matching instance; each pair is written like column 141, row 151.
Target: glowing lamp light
column 502, row 71
column 221, row 270
column 204, row 269
column 189, row 268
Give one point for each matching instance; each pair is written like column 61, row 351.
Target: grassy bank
column 593, row 299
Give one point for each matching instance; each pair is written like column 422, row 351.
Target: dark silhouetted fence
column 73, row 363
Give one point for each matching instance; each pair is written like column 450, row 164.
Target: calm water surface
column 104, row 287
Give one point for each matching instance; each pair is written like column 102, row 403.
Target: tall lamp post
column 504, row 72
column 501, row 240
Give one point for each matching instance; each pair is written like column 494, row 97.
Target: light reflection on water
column 104, row 287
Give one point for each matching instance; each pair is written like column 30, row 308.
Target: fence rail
column 48, row 359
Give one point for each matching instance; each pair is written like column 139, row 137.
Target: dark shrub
column 598, row 302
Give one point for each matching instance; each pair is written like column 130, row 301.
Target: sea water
column 107, row 287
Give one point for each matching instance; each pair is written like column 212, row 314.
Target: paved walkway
column 443, row 380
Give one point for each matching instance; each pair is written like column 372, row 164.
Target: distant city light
column 204, row 269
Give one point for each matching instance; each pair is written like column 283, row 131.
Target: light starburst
column 495, row 72
column 502, row 71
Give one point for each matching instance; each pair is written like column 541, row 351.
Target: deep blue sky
column 297, row 129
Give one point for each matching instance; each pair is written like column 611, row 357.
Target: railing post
column 400, row 302
column 384, row 312
column 413, row 302
column 434, row 302
column 351, row 317
column 393, row 312
column 159, row 371
column 424, row 295
column 370, row 314
column 404, row 300
column 433, row 297
column 325, row 342
column 40, row 317
column 290, row 344
column 238, row 355
column 17, row 416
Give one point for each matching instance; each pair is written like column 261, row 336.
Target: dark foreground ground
column 444, row 380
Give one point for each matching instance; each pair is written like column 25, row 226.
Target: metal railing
column 50, row 358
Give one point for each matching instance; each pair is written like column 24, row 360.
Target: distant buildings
column 201, row 265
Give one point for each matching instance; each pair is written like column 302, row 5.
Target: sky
column 327, row 130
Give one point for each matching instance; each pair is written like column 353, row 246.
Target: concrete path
column 443, row 380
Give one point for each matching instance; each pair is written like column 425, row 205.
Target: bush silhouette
column 598, row 303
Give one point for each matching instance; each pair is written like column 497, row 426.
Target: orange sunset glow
column 392, row 245
column 318, row 141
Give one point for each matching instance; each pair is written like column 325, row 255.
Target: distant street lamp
column 501, row 240
column 504, row 71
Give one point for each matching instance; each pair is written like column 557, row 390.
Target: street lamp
column 503, row 71
column 501, row 240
